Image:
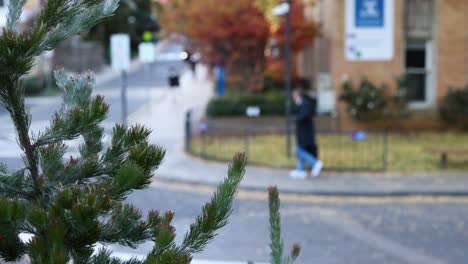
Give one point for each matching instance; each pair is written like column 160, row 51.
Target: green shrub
column 270, row 103
column 271, row 85
column 369, row 102
column 33, row 86
column 454, row 108
column 398, row 102
column 365, row 103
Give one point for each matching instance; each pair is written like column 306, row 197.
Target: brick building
column 383, row 39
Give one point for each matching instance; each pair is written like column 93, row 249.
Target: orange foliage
column 275, row 69
column 302, row 32
column 231, row 30
column 235, row 32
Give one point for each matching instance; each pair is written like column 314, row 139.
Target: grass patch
column 406, row 153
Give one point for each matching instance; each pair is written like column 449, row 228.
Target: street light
column 281, row 9
column 284, row 9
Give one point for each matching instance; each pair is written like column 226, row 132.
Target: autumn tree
column 234, row 33
column 237, row 32
column 303, row 33
column 266, row 7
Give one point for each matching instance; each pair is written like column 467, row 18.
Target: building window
column 419, row 18
column 416, row 71
column 418, row 50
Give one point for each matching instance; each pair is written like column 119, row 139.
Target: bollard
column 246, row 141
column 203, row 144
column 203, row 127
column 188, row 130
column 385, row 150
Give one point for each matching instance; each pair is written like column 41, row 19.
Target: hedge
column 454, row 108
column 270, row 103
column 33, row 86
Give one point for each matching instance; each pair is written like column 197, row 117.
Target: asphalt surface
column 364, row 231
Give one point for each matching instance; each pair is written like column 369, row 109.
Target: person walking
column 173, row 77
column 306, row 147
column 174, row 82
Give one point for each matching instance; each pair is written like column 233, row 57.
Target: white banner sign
column 120, row 52
column 146, row 52
column 369, row 30
column 326, row 96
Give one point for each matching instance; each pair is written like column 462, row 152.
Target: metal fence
column 265, row 145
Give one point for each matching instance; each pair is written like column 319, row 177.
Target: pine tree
column 70, row 204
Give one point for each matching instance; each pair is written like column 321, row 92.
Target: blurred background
column 390, row 78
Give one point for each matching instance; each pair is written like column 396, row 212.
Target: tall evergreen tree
column 70, row 204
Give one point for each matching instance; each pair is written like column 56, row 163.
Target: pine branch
column 15, row 185
column 124, row 227
column 51, row 160
column 104, row 257
column 276, row 245
column 275, row 226
column 216, row 212
column 13, row 99
column 92, row 143
column 80, row 113
column 130, row 141
column 14, row 62
column 162, row 233
column 130, row 177
column 15, row 8
column 295, row 251
column 67, row 17
column 79, row 171
column 12, row 217
column 66, row 225
column 79, row 15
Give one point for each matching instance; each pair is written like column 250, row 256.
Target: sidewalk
column 166, row 118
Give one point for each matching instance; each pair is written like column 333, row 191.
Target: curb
column 128, row 256
column 193, row 155
column 334, row 193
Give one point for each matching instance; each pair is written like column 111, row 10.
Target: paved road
column 335, row 230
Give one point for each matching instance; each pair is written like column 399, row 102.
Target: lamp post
column 285, row 9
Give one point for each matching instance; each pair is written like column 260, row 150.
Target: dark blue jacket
column 305, row 130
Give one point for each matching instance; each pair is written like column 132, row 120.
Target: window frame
column 429, row 43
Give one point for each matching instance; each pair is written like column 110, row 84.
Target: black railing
column 265, row 145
